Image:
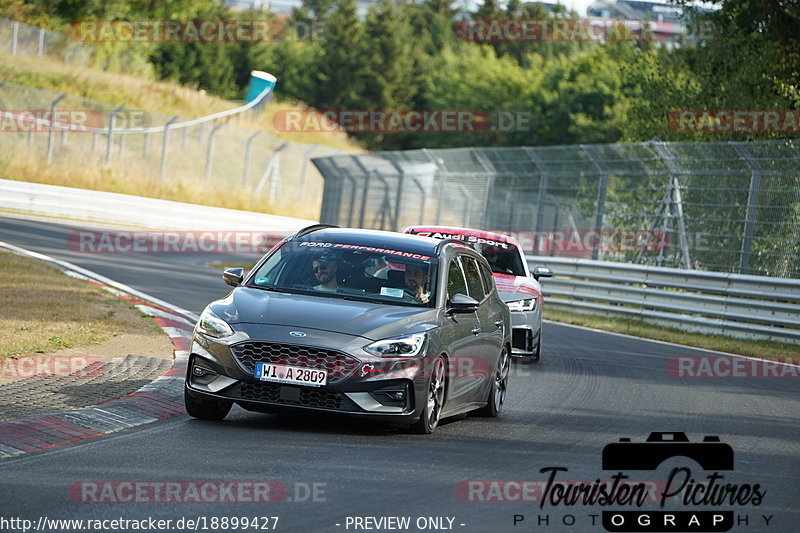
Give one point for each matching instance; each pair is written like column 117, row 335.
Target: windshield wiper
column 269, row 288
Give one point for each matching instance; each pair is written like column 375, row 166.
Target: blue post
column 260, row 82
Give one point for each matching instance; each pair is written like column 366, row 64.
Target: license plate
column 295, row 375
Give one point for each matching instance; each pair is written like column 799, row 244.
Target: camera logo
column 682, row 485
column 711, row 454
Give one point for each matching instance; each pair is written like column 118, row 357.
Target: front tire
column 537, row 354
column 205, row 410
column 434, row 400
column 497, row 394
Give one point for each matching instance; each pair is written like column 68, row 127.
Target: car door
column 490, row 338
column 463, row 339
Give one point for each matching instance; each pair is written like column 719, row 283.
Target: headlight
column 405, row 346
column 213, row 326
column 522, row 305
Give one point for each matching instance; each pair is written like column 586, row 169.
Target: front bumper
column 363, row 386
column 525, row 330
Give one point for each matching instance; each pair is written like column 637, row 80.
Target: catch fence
column 726, row 206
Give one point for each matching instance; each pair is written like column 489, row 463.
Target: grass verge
column 638, row 328
column 74, row 173
column 42, row 310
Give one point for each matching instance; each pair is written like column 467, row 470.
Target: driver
column 497, row 258
column 324, row 268
column 416, row 279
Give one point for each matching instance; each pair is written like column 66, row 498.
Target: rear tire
column 497, row 394
column 205, row 410
column 434, row 400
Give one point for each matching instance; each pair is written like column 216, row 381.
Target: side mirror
column 541, row 271
column 461, row 303
column 233, row 276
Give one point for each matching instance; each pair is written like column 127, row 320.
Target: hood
column 364, row 319
column 511, row 288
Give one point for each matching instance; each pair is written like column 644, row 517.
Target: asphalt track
column 589, row 390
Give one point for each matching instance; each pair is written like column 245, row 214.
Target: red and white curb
column 155, row 401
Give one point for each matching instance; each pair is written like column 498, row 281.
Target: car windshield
column 349, row 271
column 504, row 258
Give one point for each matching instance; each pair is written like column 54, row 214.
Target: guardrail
column 756, row 307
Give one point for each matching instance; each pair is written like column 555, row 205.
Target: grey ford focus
column 392, row 327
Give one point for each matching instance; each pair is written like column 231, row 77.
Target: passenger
column 416, row 280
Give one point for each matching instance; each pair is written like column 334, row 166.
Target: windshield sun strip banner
column 343, row 246
column 466, row 237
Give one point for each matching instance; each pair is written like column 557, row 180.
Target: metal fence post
column 14, row 35
column 602, row 187
column 247, row 152
column 306, row 157
column 398, row 202
column 210, row 151
column 51, row 133
column 146, row 143
column 440, row 173
column 164, row 146
column 40, row 51
column 364, row 190
column 110, row 139
column 491, row 174
column 752, row 207
column 272, row 174
column 543, row 175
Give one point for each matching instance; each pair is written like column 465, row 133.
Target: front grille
column 305, row 396
column 336, row 364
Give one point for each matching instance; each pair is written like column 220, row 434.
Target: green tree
column 340, row 74
column 389, row 82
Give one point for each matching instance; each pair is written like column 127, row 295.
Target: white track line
column 685, row 346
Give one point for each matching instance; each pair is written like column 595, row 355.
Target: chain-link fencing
column 19, row 39
column 729, row 207
column 221, row 152
column 213, row 154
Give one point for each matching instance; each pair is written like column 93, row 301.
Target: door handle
column 476, row 330
column 498, row 323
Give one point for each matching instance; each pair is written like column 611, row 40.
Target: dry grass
column 136, row 174
column 24, row 167
column 637, row 328
column 42, row 310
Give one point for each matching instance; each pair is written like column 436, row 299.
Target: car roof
column 453, row 230
column 376, row 238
